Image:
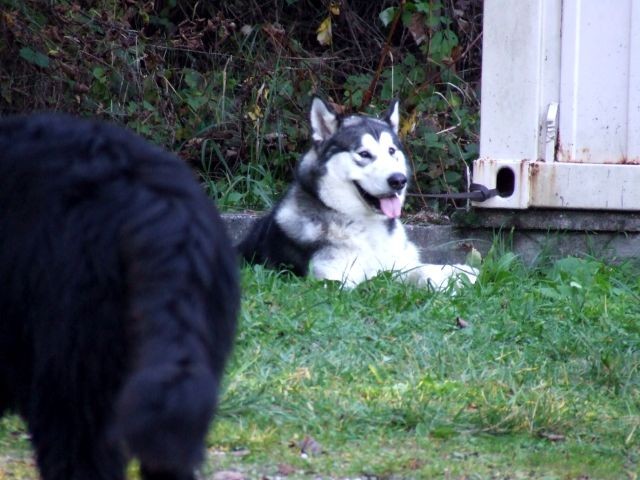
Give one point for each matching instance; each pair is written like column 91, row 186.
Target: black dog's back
column 119, row 299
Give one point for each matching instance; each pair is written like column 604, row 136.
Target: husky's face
column 360, row 165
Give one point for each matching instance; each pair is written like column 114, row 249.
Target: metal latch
column 550, row 133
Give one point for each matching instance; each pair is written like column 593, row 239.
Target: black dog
column 118, row 299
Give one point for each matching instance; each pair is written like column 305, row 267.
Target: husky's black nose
column 397, row 181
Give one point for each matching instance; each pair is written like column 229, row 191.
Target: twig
column 366, row 98
column 469, row 47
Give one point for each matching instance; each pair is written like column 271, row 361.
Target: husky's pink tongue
column 391, row 206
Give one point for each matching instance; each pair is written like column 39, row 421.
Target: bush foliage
column 227, row 84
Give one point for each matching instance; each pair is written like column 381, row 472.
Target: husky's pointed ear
column 324, row 121
column 392, row 116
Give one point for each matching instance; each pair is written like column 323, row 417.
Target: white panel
column 593, row 71
column 633, row 122
column 510, row 79
column 595, row 81
column 564, row 185
column 585, row 186
column 549, row 64
column 520, row 78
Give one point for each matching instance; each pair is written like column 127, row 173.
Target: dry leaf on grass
column 285, row 469
column 308, row 446
column 461, row 322
column 553, row 437
column 228, row 475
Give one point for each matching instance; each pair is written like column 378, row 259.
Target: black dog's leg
column 66, row 456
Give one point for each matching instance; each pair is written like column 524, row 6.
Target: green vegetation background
column 227, row 84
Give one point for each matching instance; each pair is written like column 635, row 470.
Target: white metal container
column 560, row 106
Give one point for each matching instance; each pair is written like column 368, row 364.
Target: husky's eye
column 392, row 151
column 365, row 154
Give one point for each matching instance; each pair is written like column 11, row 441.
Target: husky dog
column 339, row 220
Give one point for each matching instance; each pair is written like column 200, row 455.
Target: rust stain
column 585, row 156
column 563, row 154
column 630, row 161
column 543, row 182
column 534, row 170
column 486, row 162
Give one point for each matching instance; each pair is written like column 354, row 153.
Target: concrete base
column 532, row 239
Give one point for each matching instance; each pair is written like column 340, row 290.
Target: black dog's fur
column 118, row 299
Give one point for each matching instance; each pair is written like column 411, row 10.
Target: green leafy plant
column 228, row 85
column 441, row 128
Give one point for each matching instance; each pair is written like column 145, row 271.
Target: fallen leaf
column 309, row 446
column 300, row 374
column 416, row 28
column 324, row 32
column 228, row 475
column 334, row 8
column 276, row 33
column 415, row 464
column 553, row 437
column 461, row 322
column 81, row 88
column 408, row 124
column 338, row 108
column 286, row 469
column 255, row 113
column 241, row 452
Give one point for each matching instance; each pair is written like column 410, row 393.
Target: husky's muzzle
column 389, row 204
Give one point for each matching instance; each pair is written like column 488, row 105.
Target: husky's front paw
column 471, row 273
column 460, row 275
column 440, row 276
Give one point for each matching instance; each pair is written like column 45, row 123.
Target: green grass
column 544, row 383
column 383, row 379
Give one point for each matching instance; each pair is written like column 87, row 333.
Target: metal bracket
column 550, row 133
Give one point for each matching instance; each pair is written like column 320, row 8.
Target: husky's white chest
column 358, row 250
column 374, row 238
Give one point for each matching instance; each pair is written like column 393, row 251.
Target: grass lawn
column 385, row 381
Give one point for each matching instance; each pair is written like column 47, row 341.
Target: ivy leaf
column 196, row 101
column 193, row 79
column 99, row 73
column 452, row 177
column 324, row 32
column 34, row 57
column 386, row 16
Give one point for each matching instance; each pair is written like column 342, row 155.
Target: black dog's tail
column 183, row 297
